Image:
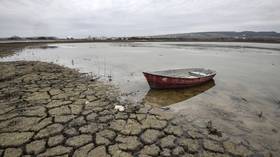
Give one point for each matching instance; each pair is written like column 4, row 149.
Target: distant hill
column 222, row 35
column 229, row 36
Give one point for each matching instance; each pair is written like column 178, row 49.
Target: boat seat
column 191, row 77
column 196, row 73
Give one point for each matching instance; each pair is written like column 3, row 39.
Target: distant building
column 101, row 38
column 244, row 36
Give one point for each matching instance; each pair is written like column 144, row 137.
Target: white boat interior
column 185, row 73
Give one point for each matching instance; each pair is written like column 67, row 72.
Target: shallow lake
column 247, row 83
column 243, row 69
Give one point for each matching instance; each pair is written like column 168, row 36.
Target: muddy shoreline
column 49, row 110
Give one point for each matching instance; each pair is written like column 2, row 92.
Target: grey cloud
column 134, row 17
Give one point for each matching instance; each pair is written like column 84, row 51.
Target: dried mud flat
column 49, row 110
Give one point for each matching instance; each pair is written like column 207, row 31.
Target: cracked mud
column 49, row 110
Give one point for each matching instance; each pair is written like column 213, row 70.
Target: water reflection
column 171, row 96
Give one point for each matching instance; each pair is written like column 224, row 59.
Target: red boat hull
column 165, row 82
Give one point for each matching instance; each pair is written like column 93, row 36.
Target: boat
column 178, row 78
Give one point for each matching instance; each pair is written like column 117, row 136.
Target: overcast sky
column 80, row 18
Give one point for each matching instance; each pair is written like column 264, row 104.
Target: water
column 247, row 81
column 242, row 68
